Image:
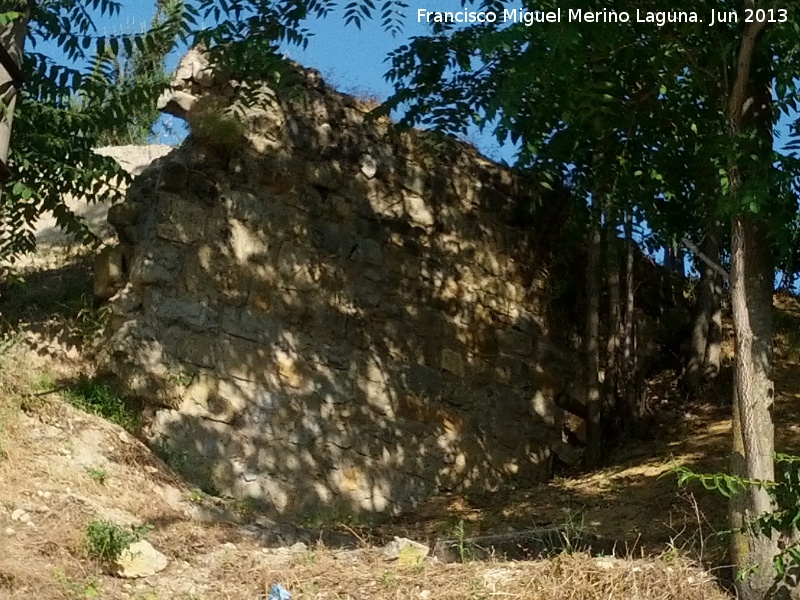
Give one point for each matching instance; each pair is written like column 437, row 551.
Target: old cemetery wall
column 322, row 312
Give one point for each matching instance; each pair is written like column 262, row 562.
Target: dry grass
column 43, row 438
column 322, row 575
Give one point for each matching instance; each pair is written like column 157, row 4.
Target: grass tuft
column 101, row 399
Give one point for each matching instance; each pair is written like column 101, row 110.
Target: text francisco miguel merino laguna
column 660, row 18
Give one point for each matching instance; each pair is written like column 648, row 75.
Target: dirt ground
column 62, row 468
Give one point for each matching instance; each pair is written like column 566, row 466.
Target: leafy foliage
column 632, row 113
column 106, row 540
column 105, row 89
column 142, row 68
column 784, row 493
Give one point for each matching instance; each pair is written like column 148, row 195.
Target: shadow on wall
column 334, row 316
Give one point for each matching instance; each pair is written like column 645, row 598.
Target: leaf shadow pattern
column 332, row 317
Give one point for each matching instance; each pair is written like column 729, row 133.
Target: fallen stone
column 20, row 515
column 605, row 563
column 407, row 553
column 140, row 559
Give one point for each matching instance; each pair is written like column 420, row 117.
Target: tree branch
column 699, row 253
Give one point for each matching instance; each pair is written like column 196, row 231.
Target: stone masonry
column 323, row 313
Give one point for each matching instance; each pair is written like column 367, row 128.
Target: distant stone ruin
column 323, row 313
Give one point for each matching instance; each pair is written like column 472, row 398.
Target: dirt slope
column 63, row 468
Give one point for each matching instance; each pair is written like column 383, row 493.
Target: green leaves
column 576, row 97
column 103, row 88
column 726, row 485
column 784, row 493
column 7, row 17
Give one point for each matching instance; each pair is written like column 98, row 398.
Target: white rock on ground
column 20, row 515
column 406, row 552
column 140, row 559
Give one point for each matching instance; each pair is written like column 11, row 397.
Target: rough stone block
column 369, row 252
column 156, row 264
column 195, row 349
column 200, row 400
column 247, row 244
column 244, row 359
column 290, row 370
column 325, row 175
column 249, row 325
column 185, row 223
column 452, row 362
column 414, row 179
column 191, row 313
column 418, row 210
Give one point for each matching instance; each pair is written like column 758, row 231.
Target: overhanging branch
column 702, row 256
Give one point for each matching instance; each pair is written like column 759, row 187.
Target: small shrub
column 43, row 381
column 99, row 398
column 244, row 508
column 87, row 588
column 106, row 541
column 215, row 127
column 389, row 579
column 464, row 552
column 98, row 475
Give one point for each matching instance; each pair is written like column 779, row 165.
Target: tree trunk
column 612, row 367
column 628, row 341
column 680, row 263
column 12, row 38
column 750, row 110
column 753, row 433
column 704, row 351
column 594, row 401
column 713, row 358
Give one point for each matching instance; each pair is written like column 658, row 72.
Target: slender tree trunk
column 594, row 401
column 749, row 110
column 628, row 341
column 612, row 367
column 706, row 331
column 12, row 38
column 713, row 358
column 673, row 262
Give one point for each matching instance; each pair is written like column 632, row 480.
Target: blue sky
column 350, row 59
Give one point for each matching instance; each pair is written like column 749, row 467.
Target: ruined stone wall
column 325, row 314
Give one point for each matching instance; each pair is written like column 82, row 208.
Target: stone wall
column 325, row 313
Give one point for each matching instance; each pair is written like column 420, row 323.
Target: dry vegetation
column 576, row 576
column 51, row 450
column 64, row 468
